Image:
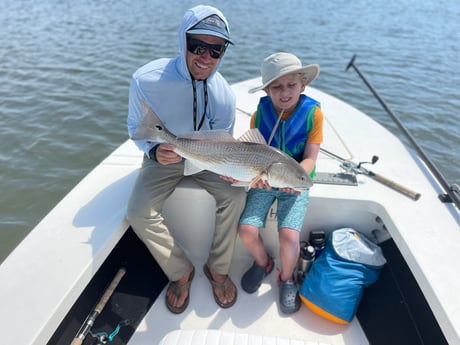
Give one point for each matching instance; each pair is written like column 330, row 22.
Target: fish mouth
column 297, row 189
column 301, row 189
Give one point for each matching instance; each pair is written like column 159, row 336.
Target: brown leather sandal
column 177, row 290
column 221, row 286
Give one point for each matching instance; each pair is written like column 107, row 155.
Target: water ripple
column 65, row 68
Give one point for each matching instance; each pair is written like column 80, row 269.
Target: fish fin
column 146, row 130
column 262, row 176
column 190, row 168
column 253, row 135
column 209, row 135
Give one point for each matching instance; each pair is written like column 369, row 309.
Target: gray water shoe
column 252, row 279
column 289, row 297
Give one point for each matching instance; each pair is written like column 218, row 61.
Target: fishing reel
column 101, row 338
column 357, row 168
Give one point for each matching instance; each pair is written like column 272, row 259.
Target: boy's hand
column 289, row 190
column 258, row 184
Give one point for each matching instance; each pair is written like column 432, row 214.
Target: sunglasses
column 198, row 47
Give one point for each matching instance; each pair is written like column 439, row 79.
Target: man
column 187, row 94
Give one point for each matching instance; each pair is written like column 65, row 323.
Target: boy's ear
column 303, row 83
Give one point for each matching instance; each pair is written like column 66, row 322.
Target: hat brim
column 209, row 33
column 311, row 72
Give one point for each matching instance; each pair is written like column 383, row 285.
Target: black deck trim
column 394, row 309
column 138, row 289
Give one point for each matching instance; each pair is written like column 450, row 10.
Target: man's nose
column 207, row 54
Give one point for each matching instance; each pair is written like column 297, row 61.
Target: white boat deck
column 256, row 314
column 396, row 211
column 428, row 243
column 46, row 273
column 213, row 336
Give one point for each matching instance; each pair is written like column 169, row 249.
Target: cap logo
column 212, row 25
column 214, row 20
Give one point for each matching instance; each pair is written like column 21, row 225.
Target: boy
column 291, row 122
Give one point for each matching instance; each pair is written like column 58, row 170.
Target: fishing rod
column 91, row 318
column 354, row 168
column 452, row 190
column 358, row 169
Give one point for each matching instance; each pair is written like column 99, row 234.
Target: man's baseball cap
column 213, row 26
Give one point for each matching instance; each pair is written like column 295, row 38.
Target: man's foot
column 252, row 279
column 178, row 293
column 223, row 289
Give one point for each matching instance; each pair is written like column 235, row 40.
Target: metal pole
column 453, row 191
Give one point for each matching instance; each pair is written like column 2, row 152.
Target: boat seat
column 214, row 337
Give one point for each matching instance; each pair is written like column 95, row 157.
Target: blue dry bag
column 334, row 285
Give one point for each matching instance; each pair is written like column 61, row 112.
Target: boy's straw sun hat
column 280, row 64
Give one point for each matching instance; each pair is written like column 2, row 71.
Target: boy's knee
column 289, row 236
column 248, row 231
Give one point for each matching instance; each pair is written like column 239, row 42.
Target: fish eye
column 159, row 127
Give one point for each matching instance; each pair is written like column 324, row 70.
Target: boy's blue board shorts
column 291, row 208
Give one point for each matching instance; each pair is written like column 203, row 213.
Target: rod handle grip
column 80, row 337
column 77, row 341
column 108, row 293
column 396, row 186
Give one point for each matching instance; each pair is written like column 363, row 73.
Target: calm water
column 65, row 68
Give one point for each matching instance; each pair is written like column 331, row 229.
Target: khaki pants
column 154, row 184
